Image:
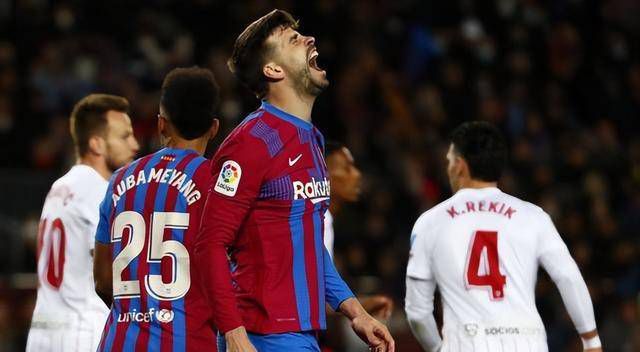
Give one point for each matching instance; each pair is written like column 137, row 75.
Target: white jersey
column 328, row 232
column 69, row 315
column 482, row 248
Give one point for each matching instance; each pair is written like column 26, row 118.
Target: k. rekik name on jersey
column 482, row 206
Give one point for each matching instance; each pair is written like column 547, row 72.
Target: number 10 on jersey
column 484, row 245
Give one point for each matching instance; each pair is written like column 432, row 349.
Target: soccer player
column 69, row 315
column 482, row 249
column 149, row 219
column 267, row 205
column 346, row 181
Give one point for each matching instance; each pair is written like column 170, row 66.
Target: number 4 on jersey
column 484, row 245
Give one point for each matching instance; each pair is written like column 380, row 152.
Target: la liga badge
column 229, row 178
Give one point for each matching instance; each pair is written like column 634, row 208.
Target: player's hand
column 374, row 333
column 379, row 306
column 238, row 341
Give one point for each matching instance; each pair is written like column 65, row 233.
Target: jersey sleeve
column 419, row 266
column 556, row 260
column 238, row 170
column 418, row 305
column 549, row 239
column 336, row 290
column 103, row 233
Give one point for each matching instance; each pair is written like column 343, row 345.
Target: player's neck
column 198, row 144
column 477, row 184
column 97, row 163
column 288, row 100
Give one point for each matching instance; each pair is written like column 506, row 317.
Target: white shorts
column 474, row 337
column 47, row 335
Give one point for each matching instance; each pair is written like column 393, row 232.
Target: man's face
column 297, row 55
column 122, row 145
column 344, row 175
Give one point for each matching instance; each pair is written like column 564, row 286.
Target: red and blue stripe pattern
column 146, row 198
column 271, row 226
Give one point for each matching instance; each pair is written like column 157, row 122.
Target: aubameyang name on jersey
column 482, row 206
column 172, row 177
column 311, row 190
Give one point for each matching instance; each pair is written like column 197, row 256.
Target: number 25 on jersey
column 133, row 223
column 484, row 249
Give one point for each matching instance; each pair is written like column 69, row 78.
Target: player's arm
column 421, row 286
column 102, row 272
column 340, row 298
column 102, row 265
column 228, row 202
column 419, row 303
column 563, row 270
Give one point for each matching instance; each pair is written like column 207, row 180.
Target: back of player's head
column 483, row 147
column 190, row 97
column 89, row 118
column 331, row 147
column 251, row 51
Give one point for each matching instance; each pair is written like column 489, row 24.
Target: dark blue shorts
column 290, row 342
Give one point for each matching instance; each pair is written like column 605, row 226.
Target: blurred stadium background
column 560, row 77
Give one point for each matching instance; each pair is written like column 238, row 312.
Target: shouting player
column 266, row 207
column 482, row 249
column 148, row 223
column 69, row 316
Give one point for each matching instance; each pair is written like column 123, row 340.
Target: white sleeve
column 556, row 260
column 419, row 265
column 90, row 217
column 418, row 305
column 328, row 233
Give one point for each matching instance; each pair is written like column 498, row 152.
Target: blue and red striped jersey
column 150, row 217
column 261, row 248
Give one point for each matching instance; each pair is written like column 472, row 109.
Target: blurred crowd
column 560, row 78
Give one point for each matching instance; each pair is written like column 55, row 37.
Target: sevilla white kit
column 328, row 232
column 69, row 315
column 482, row 249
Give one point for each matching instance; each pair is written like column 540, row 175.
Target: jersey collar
column 286, row 116
column 478, row 190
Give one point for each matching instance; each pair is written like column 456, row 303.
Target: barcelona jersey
column 150, row 218
column 261, row 248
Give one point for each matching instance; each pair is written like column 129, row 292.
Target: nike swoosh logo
column 292, row 162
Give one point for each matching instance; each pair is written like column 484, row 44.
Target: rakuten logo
column 163, row 316
column 316, row 191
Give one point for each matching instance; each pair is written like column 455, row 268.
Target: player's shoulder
column 84, row 181
column 429, row 221
column 436, row 212
column 259, row 131
column 530, row 208
column 80, row 190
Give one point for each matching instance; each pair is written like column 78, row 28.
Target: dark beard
column 305, row 85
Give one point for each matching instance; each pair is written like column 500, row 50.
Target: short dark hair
column 89, row 118
column 483, row 147
column 190, row 97
column 331, row 147
column 250, row 50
